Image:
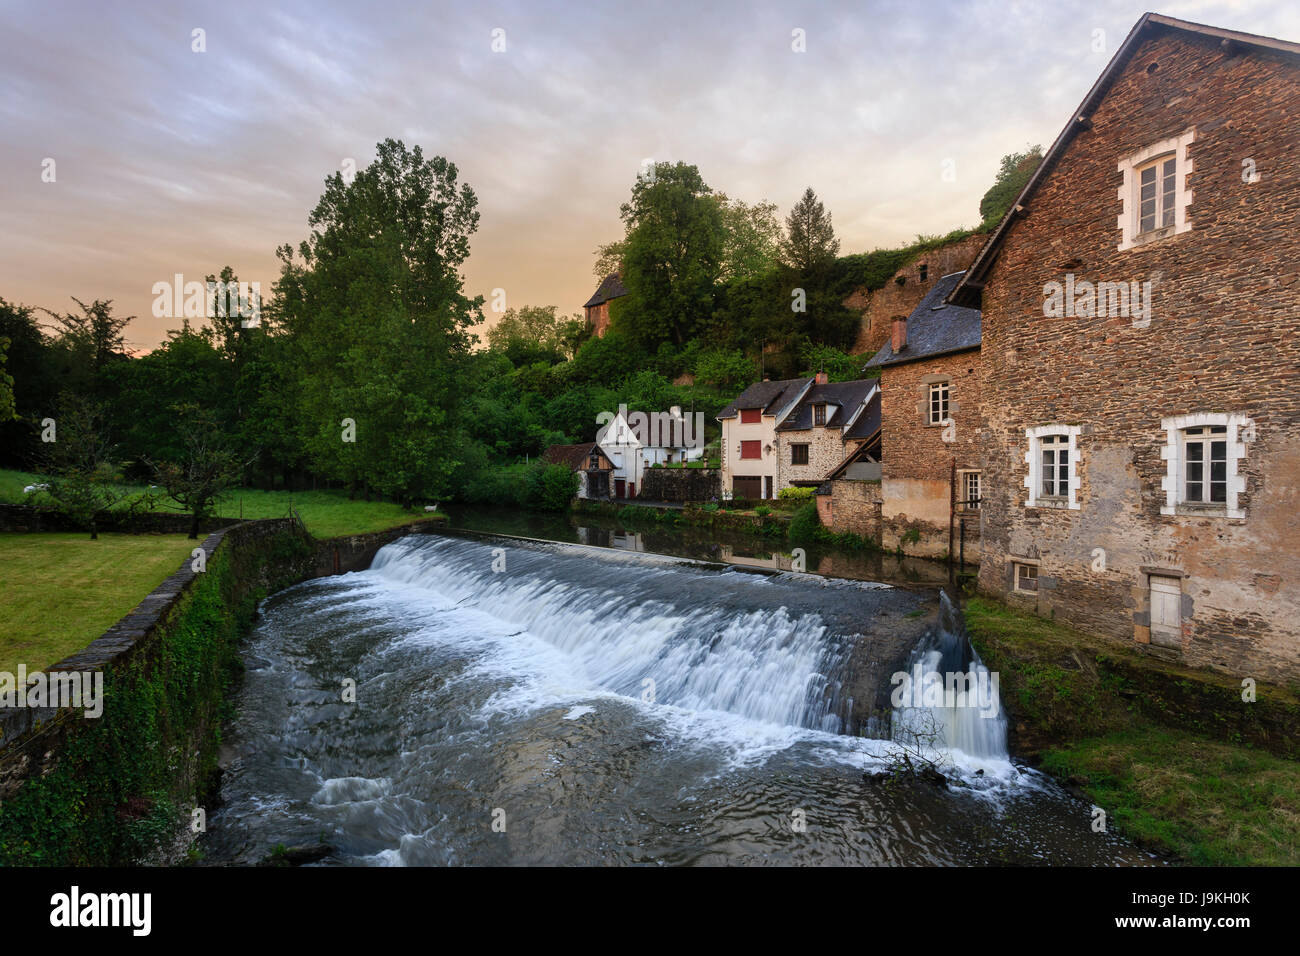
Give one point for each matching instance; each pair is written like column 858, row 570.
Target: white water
column 974, row 725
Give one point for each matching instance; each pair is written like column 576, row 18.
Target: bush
column 763, row 511
column 805, row 523
column 796, row 494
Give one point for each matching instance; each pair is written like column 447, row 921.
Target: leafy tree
column 534, row 333
column 809, row 243
column 1013, row 173
column 609, row 259
column 379, row 320
column 81, row 475
column 751, row 237
column 728, row 370
column 8, row 408
column 672, row 256
column 205, row 471
column 90, row 340
column 826, row 358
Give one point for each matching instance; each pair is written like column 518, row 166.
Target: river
column 522, row 702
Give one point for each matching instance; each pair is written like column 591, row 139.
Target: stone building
column 1141, row 352
column 592, row 466
column 829, row 423
column 749, row 448
column 931, row 422
column 596, row 309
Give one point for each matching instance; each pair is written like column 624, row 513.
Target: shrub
column 805, row 523
column 762, row 511
column 796, row 493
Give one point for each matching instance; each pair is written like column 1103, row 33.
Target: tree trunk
column 194, row 526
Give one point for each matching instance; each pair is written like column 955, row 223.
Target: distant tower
column 597, row 307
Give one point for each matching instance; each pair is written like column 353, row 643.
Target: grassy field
column 61, row 591
column 327, row 514
column 1208, row 798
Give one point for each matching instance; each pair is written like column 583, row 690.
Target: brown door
column 768, row 489
column 619, row 487
column 750, row 487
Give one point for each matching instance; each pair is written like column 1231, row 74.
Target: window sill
column 1057, row 504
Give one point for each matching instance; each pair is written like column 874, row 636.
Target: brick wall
column 1223, row 338
column 852, row 506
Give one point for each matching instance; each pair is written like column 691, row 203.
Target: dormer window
column 819, row 414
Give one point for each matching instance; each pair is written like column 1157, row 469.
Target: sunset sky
column 172, row 161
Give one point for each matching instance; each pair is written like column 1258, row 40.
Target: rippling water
column 505, row 717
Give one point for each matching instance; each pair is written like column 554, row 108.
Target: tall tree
column 751, row 237
column 809, row 242
column 90, row 339
column 672, row 255
column 380, row 322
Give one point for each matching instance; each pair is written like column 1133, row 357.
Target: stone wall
column 1223, row 338
column 852, row 506
column 680, row 484
column 879, row 306
column 24, row 519
column 826, row 451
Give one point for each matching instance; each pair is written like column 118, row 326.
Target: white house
column 633, row 441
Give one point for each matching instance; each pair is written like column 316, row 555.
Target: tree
column 380, row 323
column 809, row 242
column 90, row 340
column 826, row 358
column 1013, row 173
column 81, row 475
column 672, row 256
column 535, row 333
column 751, row 237
column 206, row 470
column 609, row 259
column 729, row 371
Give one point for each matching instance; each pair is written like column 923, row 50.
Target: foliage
column 207, row 470
column 809, row 243
column 796, row 493
column 805, row 522
column 1014, row 173
column 728, row 370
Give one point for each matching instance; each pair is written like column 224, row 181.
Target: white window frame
column 1240, row 430
column 1130, row 190
column 1034, row 459
column 965, row 476
column 945, row 403
column 1015, row 577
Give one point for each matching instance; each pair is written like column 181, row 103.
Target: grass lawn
column 61, row 591
column 327, row 514
column 1208, row 799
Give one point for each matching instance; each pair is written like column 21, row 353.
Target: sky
column 167, row 159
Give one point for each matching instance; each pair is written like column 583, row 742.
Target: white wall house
column 633, row 441
column 750, row 451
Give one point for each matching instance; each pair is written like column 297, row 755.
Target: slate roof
column 610, row 288
column 868, row 422
column 935, row 328
column 575, row 456
column 843, row 399
column 769, row 396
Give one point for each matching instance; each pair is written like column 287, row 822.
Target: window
column 1053, row 459
column 1025, row 577
column 938, row 409
column 751, row 416
column 594, row 463
column 1205, row 456
column 923, row 270
column 751, row 449
column 1055, row 451
column 1166, row 611
column 798, row 454
column 1203, row 453
column 819, row 414
column 1155, row 196
column 970, row 490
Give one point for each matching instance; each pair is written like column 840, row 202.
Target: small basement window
column 1025, row 577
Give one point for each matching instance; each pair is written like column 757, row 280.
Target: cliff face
column 878, row 307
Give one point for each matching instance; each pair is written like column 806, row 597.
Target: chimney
column 899, row 339
column 822, row 378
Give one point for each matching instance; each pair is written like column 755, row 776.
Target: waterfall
column 947, row 700
column 648, row 630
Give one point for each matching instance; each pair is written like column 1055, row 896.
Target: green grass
column 1212, row 803
column 327, row 514
column 1162, row 748
column 61, row 591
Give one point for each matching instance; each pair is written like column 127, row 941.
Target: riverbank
column 1176, row 757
